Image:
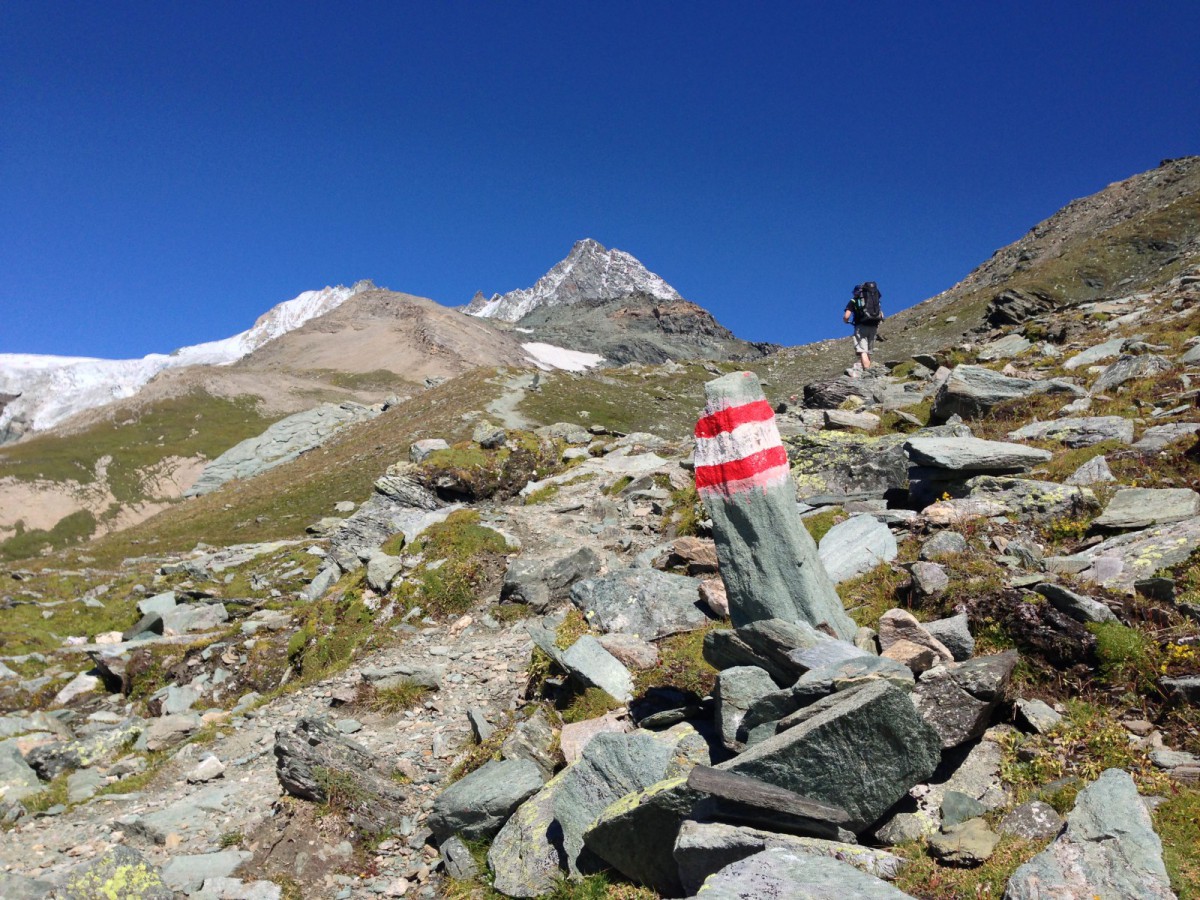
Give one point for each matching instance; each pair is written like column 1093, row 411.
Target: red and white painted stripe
column 738, row 449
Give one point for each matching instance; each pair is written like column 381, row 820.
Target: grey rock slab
column 1127, row 558
column 929, row 580
column 953, row 712
column 1094, row 471
column 1037, row 715
column 458, row 859
column 594, row 666
column 632, row 651
column 970, row 454
column 1098, row 353
column 158, row 604
column 1077, row 432
column 861, row 754
column 768, row 560
column 955, row 633
column 848, row 673
column 899, row 624
column 282, row 442
column 477, row 806
column 321, row 583
column 855, row 547
column 533, row 739
column 823, row 654
column 1128, row 368
column 1032, row 821
column 194, row 617
column 1034, row 501
column 958, row 807
column 540, row 582
column 1107, row 849
column 83, row 784
column 18, row 887
column 399, row 505
column 382, row 569
column 645, row 603
column 1143, row 507
column 1077, row 606
column 1005, row 348
column 120, row 872
column 188, row 814
column 1158, row 437
column 312, row 757
column 1187, row 688
column 779, row 873
column 944, row 543
column 776, row 640
column 167, row 731
column 704, row 848
column 845, row 420
column 189, row 872
column 52, row 759
column 179, row 699
column 17, row 779
column 841, row 462
column 971, row 391
column 735, row 690
column 724, row 649
column 419, row 451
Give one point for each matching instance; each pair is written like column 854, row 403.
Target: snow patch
column 547, row 357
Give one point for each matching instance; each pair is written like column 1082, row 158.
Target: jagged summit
column 589, row 273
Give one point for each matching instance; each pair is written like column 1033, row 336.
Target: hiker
column 865, row 313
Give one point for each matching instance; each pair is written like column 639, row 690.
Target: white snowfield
column 54, row 388
column 547, row 356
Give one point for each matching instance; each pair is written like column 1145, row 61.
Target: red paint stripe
column 731, row 417
column 747, row 467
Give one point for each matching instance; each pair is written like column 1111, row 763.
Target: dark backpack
column 866, row 305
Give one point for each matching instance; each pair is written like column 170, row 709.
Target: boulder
column 1005, row 348
column 724, row 649
column 1128, row 368
column 575, row 736
column 592, row 665
column 1077, row 606
column 714, row 597
column 1158, row 437
column 545, row 836
column 768, row 560
column 847, row 463
column 971, row 391
column 1035, row 501
column 633, row 652
column 476, row 807
column 314, row 761
column 421, row 450
column 861, row 753
column 120, row 872
column 943, row 543
column 158, row 604
column 399, row 505
column 1094, row 471
column 929, row 580
column 1077, row 432
column 533, row 739
column 845, row 420
column 969, row 843
column 645, row 603
column 187, row 873
column 900, row 625
column 1107, row 849
column 194, row 617
column 1142, row 507
column 1186, row 688
column 382, row 569
column 1093, row 355
column 955, row 633
column 856, row 546
column 779, row 872
column 1120, row 561
column 50, row 760
column 958, row 700
column 17, row 779
column 1036, row 715
column 1032, row 821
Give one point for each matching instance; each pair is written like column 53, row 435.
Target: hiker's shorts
column 864, row 338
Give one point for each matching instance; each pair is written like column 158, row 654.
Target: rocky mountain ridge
column 590, row 272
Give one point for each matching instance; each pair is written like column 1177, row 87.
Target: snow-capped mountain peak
column 51, row 389
column 590, row 272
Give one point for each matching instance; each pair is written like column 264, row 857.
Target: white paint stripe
column 743, row 441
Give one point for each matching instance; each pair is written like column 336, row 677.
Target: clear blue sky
column 170, row 171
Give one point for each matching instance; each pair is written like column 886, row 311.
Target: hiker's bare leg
column 865, row 360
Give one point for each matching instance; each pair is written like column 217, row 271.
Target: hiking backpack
column 866, row 305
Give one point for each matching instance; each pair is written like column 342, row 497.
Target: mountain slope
column 51, row 389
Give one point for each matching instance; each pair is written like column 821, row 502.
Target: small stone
column 970, row 843
column 1032, row 821
column 1037, row 716
column 209, row 768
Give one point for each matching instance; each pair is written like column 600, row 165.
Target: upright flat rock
column 281, row 443
column 861, row 751
column 780, row 873
column 768, row 560
column 1109, row 849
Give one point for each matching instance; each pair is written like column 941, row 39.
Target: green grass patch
column 684, row 512
column 924, row 878
column 70, row 529
column 397, row 698
column 331, row 630
column 464, row 561
column 590, row 703
column 1128, row 656
column 1178, row 825
column 196, row 424
column 681, row 664
column 818, row 524
column 544, row 494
